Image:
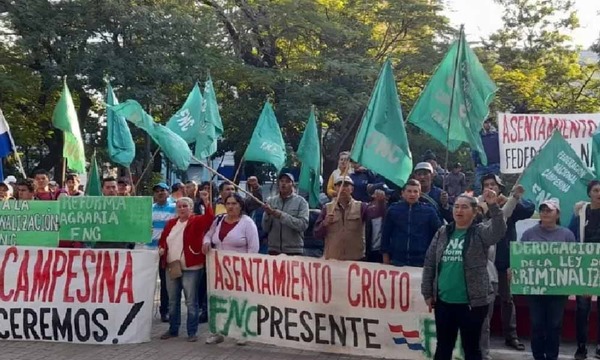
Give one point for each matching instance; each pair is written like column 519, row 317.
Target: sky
column 483, row 17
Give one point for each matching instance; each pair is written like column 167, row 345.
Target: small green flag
column 557, row 172
column 211, row 125
column 266, row 144
column 172, row 145
column 381, row 143
column 309, row 153
column 93, row 187
column 121, row 148
column 186, row 122
column 473, row 93
column 64, row 118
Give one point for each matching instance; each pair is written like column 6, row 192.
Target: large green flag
column 211, row 125
column 557, row 172
column 64, row 118
column 186, row 122
column 266, row 144
column 596, row 152
column 465, row 108
column 381, row 143
column 121, row 148
column 173, row 146
column 93, row 187
column 309, row 153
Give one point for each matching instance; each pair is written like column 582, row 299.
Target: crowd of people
column 461, row 241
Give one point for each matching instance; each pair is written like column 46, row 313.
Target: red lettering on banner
column 374, row 285
column 97, row 278
column 126, row 283
column 41, row 278
column 526, row 128
column 236, row 272
column 70, row 276
column 247, row 274
column 295, row 279
column 58, row 268
column 9, row 251
column 84, row 297
column 229, row 279
column 266, row 279
column 23, row 278
column 218, row 272
column 279, row 278
column 107, row 278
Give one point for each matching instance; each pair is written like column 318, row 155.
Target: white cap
column 424, row 166
column 346, row 179
column 552, row 204
column 10, row 179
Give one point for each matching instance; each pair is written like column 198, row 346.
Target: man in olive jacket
column 285, row 219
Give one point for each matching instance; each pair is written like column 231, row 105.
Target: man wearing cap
column 491, row 147
column 341, row 224
column 408, row 228
column 516, row 210
column 285, row 219
column 162, row 211
column 438, row 171
column 124, row 187
column 11, row 180
column 431, row 194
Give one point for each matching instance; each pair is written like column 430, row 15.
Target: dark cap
column 161, row 185
column 429, row 155
column 124, row 180
column 288, row 175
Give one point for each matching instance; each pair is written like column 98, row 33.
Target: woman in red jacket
column 180, row 249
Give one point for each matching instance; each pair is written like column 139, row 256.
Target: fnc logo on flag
column 410, row 338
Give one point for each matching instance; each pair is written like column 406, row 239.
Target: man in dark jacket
column 523, row 210
column 431, row 194
column 363, row 180
column 491, row 147
column 408, row 228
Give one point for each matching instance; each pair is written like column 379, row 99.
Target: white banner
column 522, row 135
column 76, row 295
column 345, row 307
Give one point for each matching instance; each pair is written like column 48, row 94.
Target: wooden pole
column 128, row 173
column 147, row 167
column 237, row 171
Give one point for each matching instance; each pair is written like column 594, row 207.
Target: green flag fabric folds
column 211, row 125
column 93, row 187
column 121, row 148
column 557, row 172
column 266, row 144
column 186, row 122
column 465, row 108
column 309, row 153
column 64, row 118
column 173, row 146
column 596, row 152
column 381, row 143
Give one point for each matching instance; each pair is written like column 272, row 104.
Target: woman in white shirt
column 233, row 231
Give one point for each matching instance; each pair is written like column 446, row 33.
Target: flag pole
column 237, row 171
column 128, row 172
column 227, row 180
column 460, row 44
column 147, row 167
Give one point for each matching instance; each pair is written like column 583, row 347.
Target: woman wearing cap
column 233, row 231
column 546, row 311
column 180, row 250
column 455, row 278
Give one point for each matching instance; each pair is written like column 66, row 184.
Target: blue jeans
column 584, row 305
column 480, row 171
column 189, row 283
column 546, row 312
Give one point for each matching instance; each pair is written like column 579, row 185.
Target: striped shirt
column 160, row 215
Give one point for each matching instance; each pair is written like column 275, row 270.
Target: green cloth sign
column 29, row 223
column 545, row 268
column 104, row 218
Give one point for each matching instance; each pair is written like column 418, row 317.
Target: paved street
column 179, row 349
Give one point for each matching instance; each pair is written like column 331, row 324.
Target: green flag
column 381, row 143
column 557, row 172
column 596, row 152
column 465, row 107
column 93, row 187
column 266, row 144
column 186, row 122
column 64, row 118
column 172, row 145
column 309, row 153
column 121, row 148
column 211, row 125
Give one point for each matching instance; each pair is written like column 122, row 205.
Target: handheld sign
column 29, row 223
column 555, row 268
column 106, row 218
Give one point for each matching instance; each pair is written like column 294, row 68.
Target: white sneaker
column 214, row 339
column 241, row 342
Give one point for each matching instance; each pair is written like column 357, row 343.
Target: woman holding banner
column 455, row 277
column 180, row 249
column 546, row 311
column 233, row 231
